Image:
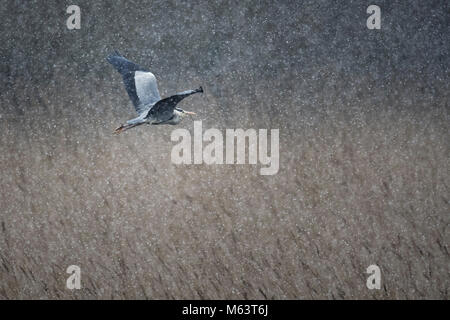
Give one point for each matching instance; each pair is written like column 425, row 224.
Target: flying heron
column 142, row 89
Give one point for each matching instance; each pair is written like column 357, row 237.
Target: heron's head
column 183, row 113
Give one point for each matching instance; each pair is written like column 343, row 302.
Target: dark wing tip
column 113, row 55
column 122, row 64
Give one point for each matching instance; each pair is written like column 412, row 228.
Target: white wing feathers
column 146, row 90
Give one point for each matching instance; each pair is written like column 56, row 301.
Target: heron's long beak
column 119, row 129
column 123, row 128
column 190, row 113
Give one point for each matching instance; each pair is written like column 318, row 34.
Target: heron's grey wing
column 139, row 82
column 163, row 109
column 146, row 90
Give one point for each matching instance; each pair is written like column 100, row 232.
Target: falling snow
column 364, row 151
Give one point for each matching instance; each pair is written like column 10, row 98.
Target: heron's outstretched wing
column 163, row 109
column 139, row 82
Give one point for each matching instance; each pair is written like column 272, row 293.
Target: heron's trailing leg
column 199, row 90
column 180, row 96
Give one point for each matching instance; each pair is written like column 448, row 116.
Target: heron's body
column 142, row 89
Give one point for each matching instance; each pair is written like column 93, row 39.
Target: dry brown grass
column 351, row 191
column 364, row 146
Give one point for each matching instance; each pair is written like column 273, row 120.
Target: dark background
column 364, row 151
